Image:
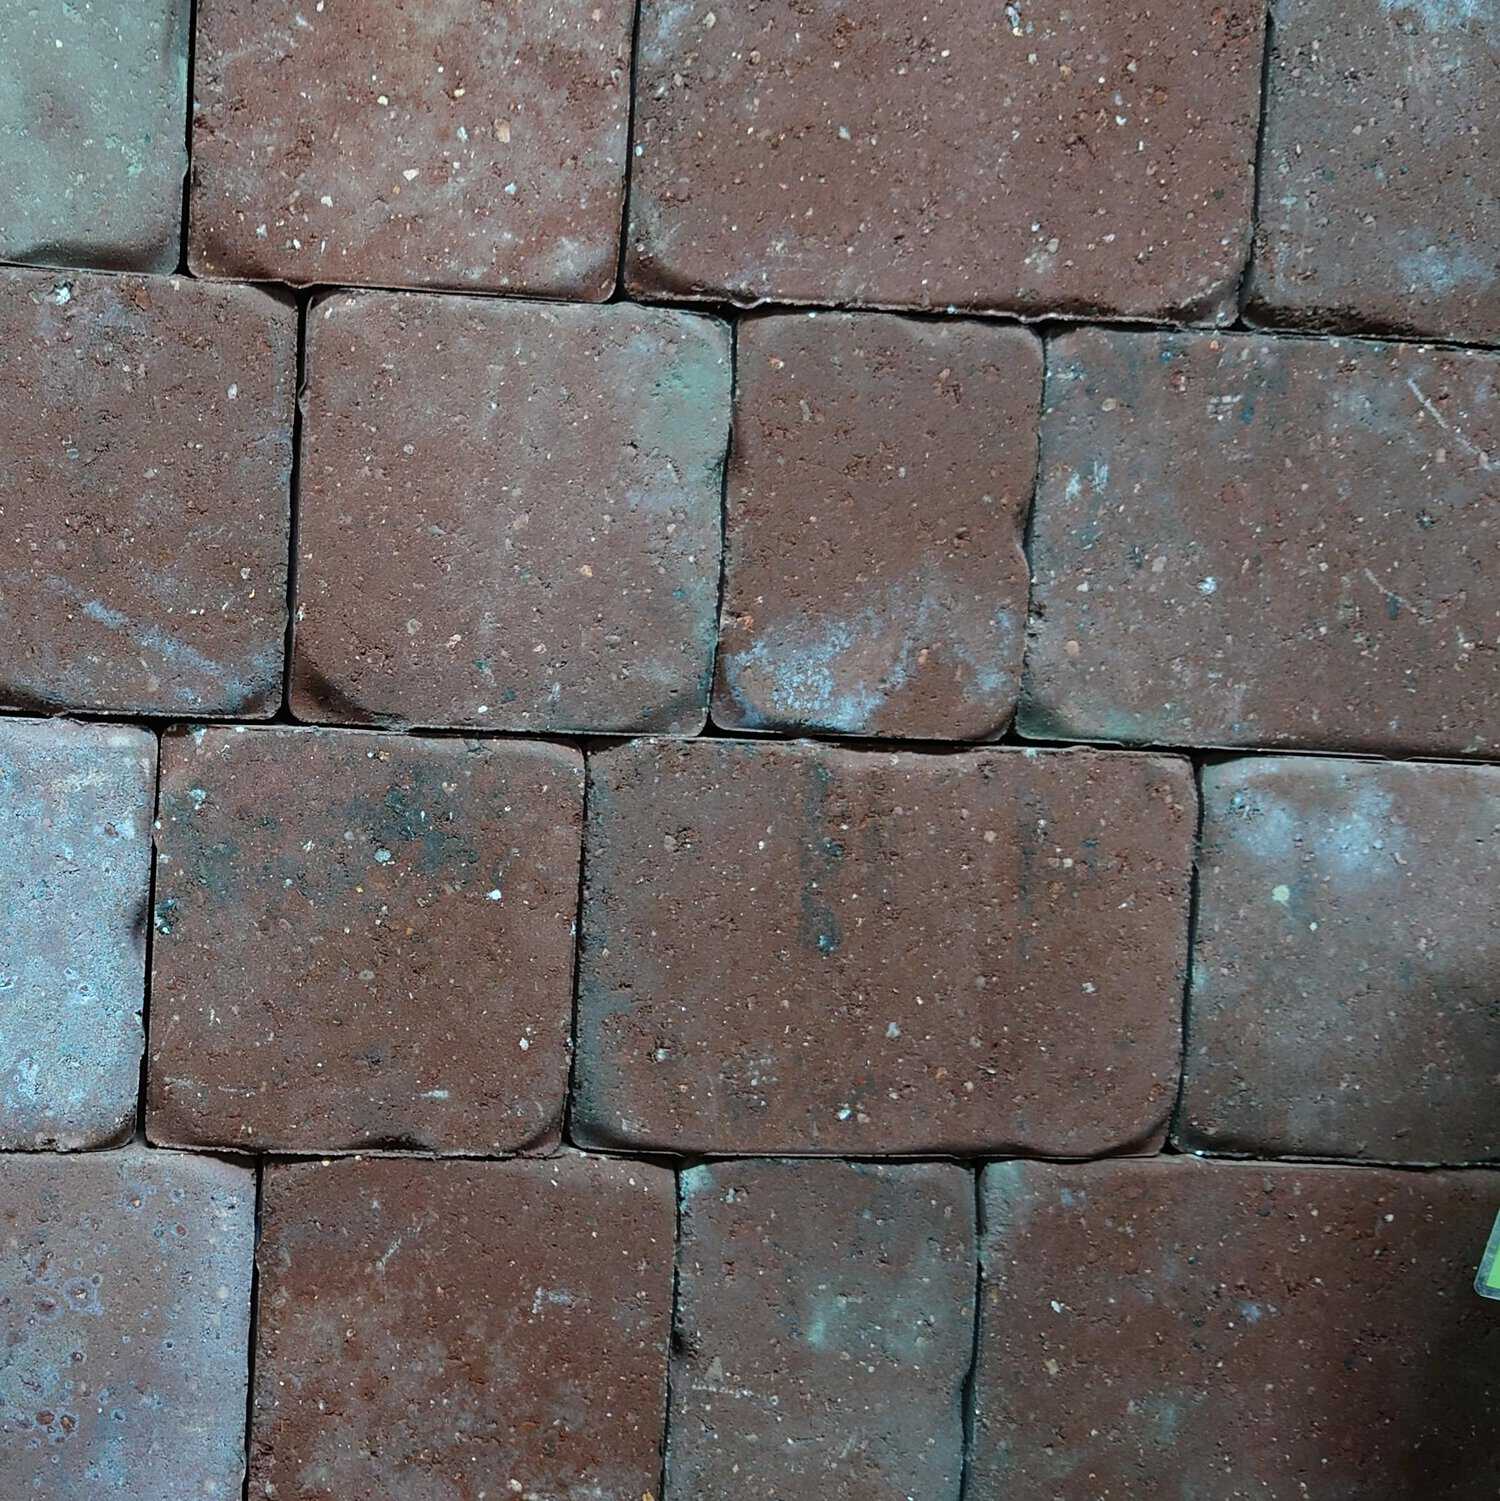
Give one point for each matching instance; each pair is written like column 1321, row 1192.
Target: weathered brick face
column 791, row 948
column 146, row 494
column 362, row 941
column 465, row 1330
column 509, row 514
column 874, row 582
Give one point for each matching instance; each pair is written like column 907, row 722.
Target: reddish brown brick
column 1344, row 961
column 804, row 949
column 510, row 514
column 362, row 940
column 1242, row 540
column 144, row 493
column 124, row 1321
column 824, row 1330
column 1382, row 149
column 874, row 582
column 456, row 143
column 75, row 821
column 1037, row 160
column 1173, row 1328
column 470, row 1331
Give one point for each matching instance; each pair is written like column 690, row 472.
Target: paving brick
column 1232, row 1330
column 462, row 1330
column 458, row 143
column 75, row 816
column 509, row 514
column 1243, row 540
column 823, row 1332
column 93, row 125
column 145, row 476
column 874, row 581
column 125, row 1324
column 1344, row 961
column 1382, row 131
column 1097, row 159
column 362, row 940
column 792, row 948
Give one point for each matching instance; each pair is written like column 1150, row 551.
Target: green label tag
column 1487, row 1280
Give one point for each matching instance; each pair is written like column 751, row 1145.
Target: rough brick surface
column 1344, row 963
column 1242, row 540
column 510, row 514
column 144, row 493
column 124, row 1322
column 1036, row 160
column 462, row 1330
column 456, row 143
column 93, row 122
column 823, row 1332
column 874, row 582
column 362, row 940
column 1235, row 1331
column 796, row 948
column 1382, row 148
column 75, row 818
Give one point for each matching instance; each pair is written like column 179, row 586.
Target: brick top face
column 1382, row 150
column 510, row 514
column 1170, row 1328
column 795, row 948
column 469, row 1331
column 881, row 472
column 1346, row 949
column 75, row 832
column 93, row 122
column 1266, row 541
column 124, row 1317
column 455, row 143
column 362, row 940
column 146, row 493
column 1097, row 160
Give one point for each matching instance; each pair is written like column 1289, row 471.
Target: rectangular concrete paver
column 874, row 582
column 1345, row 955
column 823, row 1332
column 75, row 831
column 1232, row 1330
column 469, row 1331
column 124, row 1326
column 1243, row 540
column 362, row 941
column 792, row 948
column 509, row 514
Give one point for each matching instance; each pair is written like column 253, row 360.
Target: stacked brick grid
column 845, row 846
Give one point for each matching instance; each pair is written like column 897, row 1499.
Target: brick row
column 367, row 941
column 508, row 517
column 484, row 1329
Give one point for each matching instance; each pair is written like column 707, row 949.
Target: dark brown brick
column 469, row 1331
column 510, row 514
column 456, row 143
column 146, row 502
column 1097, row 159
column 1382, row 149
column 1233, row 1330
column 1344, row 961
column 823, row 1333
column 362, row 940
column 1243, row 540
column 874, row 582
column 92, row 133
column 124, row 1321
column 792, row 948
column 75, row 829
